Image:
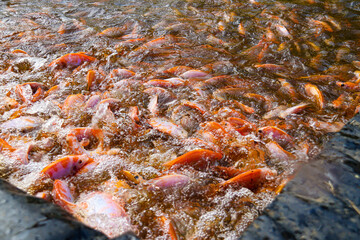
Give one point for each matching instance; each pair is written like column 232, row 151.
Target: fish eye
column 80, row 161
column 136, row 177
column 343, row 84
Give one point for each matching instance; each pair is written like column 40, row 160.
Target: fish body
column 65, row 166
column 71, row 60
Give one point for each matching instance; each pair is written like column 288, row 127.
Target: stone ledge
column 24, row 217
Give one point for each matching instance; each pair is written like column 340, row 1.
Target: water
column 263, row 84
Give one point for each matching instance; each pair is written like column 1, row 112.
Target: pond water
column 172, row 119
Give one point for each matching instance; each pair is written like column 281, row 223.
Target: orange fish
column 5, row 146
column 62, row 195
column 65, row 166
column 165, row 126
column 315, row 94
column 277, row 134
column 71, row 60
column 168, row 227
column 197, row 158
column 78, row 138
column 250, row 179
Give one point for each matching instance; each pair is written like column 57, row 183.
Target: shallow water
column 273, row 80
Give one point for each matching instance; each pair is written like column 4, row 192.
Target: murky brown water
column 173, row 119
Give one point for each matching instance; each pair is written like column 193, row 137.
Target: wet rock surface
column 323, row 200
column 26, row 217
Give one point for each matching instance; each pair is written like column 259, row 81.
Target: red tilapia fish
column 173, row 123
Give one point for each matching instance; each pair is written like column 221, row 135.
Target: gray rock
column 24, row 217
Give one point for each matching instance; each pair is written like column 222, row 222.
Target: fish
column 288, row 90
column 165, row 83
column 198, row 158
column 19, row 51
column 134, row 113
column 73, row 103
column 4, row 146
column 121, row 73
column 71, row 60
column 276, row 134
column 195, row 74
column 282, row 30
column 7, row 103
column 241, row 29
column 202, row 144
column 242, row 126
column 22, row 124
column 320, row 79
column 168, row 227
column 113, row 32
column 250, row 179
column 133, row 177
column 78, row 138
column 65, row 166
column 166, row 126
column 91, row 79
column 92, row 208
column 315, row 94
column 300, row 108
column 30, row 92
column 167, row 182
column 178, row 70
column 278, row 154
column 349, row 86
